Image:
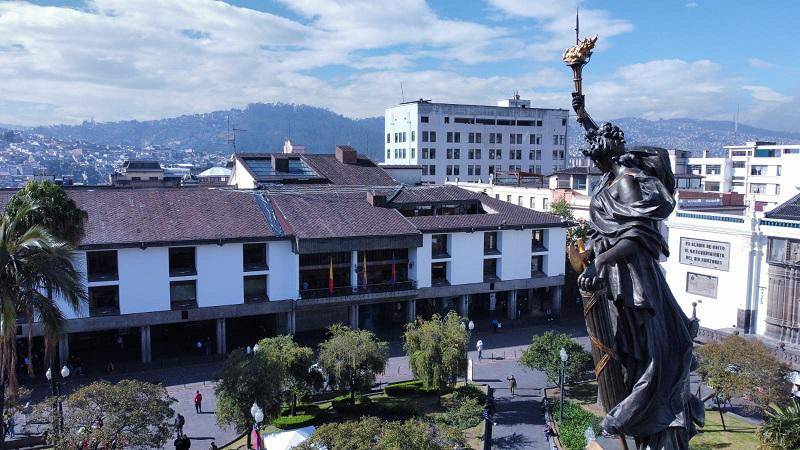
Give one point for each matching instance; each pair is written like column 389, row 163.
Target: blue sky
column 68, row 61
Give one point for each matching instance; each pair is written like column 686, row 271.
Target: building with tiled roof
column 343, row 168
column 168, row 267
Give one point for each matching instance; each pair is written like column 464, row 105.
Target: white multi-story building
column 765, row 172
column 475, row 142
column 740, row 272
column 176, row 271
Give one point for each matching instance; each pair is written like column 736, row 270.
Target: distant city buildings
column 755, row 169
column 474, row 142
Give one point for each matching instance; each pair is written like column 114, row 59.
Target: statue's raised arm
column 576, row 57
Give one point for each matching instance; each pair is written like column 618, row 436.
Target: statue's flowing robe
column 653, row 340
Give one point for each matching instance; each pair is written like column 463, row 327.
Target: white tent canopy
column 287, row 439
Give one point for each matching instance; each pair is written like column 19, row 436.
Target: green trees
column 54, row 211
column 32, row 262
column 436, row 350
column 781, row 431
column 49, row 207
column 294, row 362
column 739, row 367
column 134, row 414
column 543, row 355
column 352, row 358
column 246, row 379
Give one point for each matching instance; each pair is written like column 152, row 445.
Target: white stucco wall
column 466, row 252
column 421, row 259
column 556, row 243
column 284, row 268
column 515, row 246
column 219, row 275
column 143, row 279
column 733, row 288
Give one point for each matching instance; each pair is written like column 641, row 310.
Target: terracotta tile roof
column 500, row 214
column 332, row 215
column 363, row 173
column 434, row 194
column 124, row 217
column 789, row 210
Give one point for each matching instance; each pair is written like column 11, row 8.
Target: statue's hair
column 653, row 161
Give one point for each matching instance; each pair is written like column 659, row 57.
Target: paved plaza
column 520, row 420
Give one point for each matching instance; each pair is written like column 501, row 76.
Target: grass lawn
column 389, row 408
column 740, row 434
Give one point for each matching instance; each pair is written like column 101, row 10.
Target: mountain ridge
column 266, row 125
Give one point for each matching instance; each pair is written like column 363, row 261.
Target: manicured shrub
column 403, row 389
column 345, row 405
column 465, row 413
column 571, row 430
column 469, row 391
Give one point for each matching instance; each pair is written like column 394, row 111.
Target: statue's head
column 606, row 145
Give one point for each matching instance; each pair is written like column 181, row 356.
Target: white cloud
column 760, row 63
column 691, row 5
column 695, row 89
column 138, row 59
column 557, row 20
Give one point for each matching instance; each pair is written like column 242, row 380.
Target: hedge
column 571, row 430
column 403, row 389
column 305, row 415
column 469, row 391
column 343, row 404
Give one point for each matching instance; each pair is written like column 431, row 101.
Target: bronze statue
column 649, row 338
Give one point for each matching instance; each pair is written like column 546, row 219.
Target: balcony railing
column 183, row 304
column 339, row 291
column 101, row 311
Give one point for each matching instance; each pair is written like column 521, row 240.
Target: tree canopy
column 294, row 361
column 739, row 367
column 246, row 379
column 543, row 354
column 352, row 358
column 437, row 349
column 133, row 414
column 51, row 208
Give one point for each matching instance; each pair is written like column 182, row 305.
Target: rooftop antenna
column 402, row 93
column 577, row 27
column 232, row 138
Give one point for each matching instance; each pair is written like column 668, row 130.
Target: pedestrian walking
column 495, row 325
column 199, row 347
column 512, row 384
column 198, row 402
column 479, row 348
column 180, row 421
column 10, row 424
column 182, row 442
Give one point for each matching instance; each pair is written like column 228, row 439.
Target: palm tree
column 56, row 212
column 35, row 269
column 781, row 431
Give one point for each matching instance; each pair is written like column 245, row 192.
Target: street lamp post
column 467, row 327
column 563, row 356
column 55, row 388
column 258, row 417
